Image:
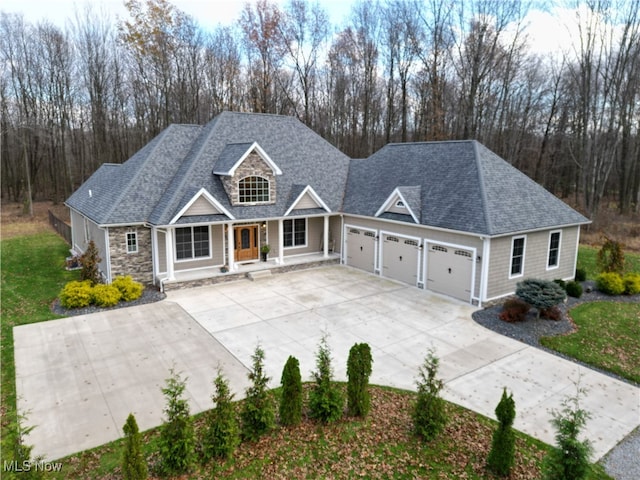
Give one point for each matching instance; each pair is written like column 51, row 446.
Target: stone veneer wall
column 139, row 265
column 252, row 166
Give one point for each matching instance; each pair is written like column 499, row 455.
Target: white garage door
column 449, row 271
column 400, row 258
column 361, row 248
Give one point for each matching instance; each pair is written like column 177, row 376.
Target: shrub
column 177, row 437
column 325, row 399
column 134, row 466
column 570, row 459
column 552, row 313
column 76, row 294
column 541, row 294
column 291, row 402
column 90, row 261
column 581, row 274
column 574, row 289
column 631, row 283
column 611, row 256
column 610, row 283
column 258, row 414
column 105, row 295
column 358, row 372
column 129, row 288
column 222, row 435
column 503, row 443
column 514, row 310
column 429, row 416
column 561, row 282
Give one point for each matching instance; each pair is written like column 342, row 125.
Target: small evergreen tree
column 611, row 256
column 503, row 444
column 258, row 412
column 358, row 373
column 429, row 416
column 222, row 435
column 325, row 399
column 541, row 294
column 570, row 459
column 22, row 452
column 291, row 402
column 177, row 437
column 90, row 261
column 134, row 466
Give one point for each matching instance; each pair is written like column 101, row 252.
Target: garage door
column 449, row 271
column 361, row 248
column 400, row 257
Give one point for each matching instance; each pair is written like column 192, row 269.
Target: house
column 199, row 203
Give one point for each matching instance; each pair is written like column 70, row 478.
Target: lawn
column 381, row 446
column 588, row 259
column 608, row 337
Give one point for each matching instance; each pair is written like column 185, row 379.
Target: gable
column 234, row 154
column 305, row 198
column 201, row 204
column 403, row 201
column 201, row 207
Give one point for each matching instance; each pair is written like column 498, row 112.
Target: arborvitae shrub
column 325, row 399
column 134, row 465
column 129, row 288
column 105, row 295
column 258, row 411
column 611, row 256
column 503, row 445
column 90, row 261
column 177, row 437
column 514, row 310
column 561, row 282
column 291, row 401
column 358, row 372
column 76, row 294
column 570, row 459
column 540, row 294
column 631, row 283
column 574, row 289
column 581, row 274
column 222, row 435
column 610, row 283
column 429, row 416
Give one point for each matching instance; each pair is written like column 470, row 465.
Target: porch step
column 258, row 274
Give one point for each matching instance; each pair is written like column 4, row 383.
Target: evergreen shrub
column 129, row 288
column 611, row 256
column 134, row 465
column 610, row 283
column 540, row 294
column 358, row 373
column 325, row 399
column 574, row 289
column 258, row 411
column 76, row 294
column 222, row 435
column 104, row 295
column 429, row 415
column 631, row 283
column 291, row 400
column 503, row 444
column 90, row 262
column 580, row 275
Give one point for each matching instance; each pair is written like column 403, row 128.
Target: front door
column 246, row 240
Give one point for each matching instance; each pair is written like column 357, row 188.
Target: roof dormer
column 234, row 154
column 403, row 201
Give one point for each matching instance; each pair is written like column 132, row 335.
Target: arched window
column 253, row 190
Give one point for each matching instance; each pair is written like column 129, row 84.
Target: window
column 192, row 242
column 295, row 232
column 253, row 190
column 554, row 250
column 399, row 204
column 132, row 242
column 517, row 256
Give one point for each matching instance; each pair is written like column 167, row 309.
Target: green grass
column 588, row 259
column 32, row 275
column 608, row 338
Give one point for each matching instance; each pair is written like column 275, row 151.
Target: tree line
column 97, row 90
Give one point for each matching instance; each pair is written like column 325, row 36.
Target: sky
column 547, row 30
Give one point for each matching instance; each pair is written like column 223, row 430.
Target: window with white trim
column 295, row 232
column 253, row 190
column 517, row 256
column 553, row 259
column 132, row 242
column 192, row 242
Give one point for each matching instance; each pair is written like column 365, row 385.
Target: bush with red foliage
column 514, row 310
column 553, row 313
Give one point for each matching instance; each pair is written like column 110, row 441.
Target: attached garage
column 400, row 258
column 450, row 270
column 361, row 248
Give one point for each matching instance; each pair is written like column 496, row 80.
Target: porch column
column 280, row 241
column 325, row 242
column 230, row 248
column 169, row 241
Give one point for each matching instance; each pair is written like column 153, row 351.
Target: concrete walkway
column 81, row 376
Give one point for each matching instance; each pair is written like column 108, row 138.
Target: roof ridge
column 427, row 142
column 483, row 192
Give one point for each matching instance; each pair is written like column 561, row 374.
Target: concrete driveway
column 81, row 376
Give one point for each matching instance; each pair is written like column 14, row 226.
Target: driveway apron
column 80, row 377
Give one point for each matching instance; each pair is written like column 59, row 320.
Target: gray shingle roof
column 464, row 187
column 229, row 156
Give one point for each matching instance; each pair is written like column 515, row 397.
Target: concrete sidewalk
column 81, row 376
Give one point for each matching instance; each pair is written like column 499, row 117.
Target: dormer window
column 253, row 190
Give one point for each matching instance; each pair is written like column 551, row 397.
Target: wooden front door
column 246, row 240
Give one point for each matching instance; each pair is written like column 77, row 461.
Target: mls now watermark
column 31, row 466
